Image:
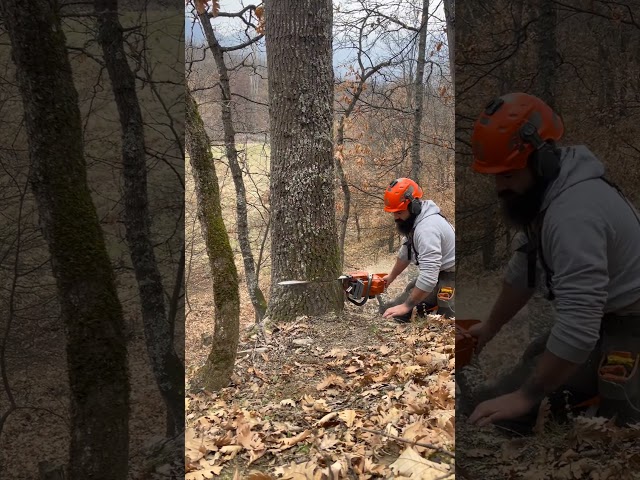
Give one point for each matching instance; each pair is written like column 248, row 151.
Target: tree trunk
column 450, row 16
column 165, row 363
column 96, row 344
column 416, row 160
column 304, row 242
column 344, row 185
column 547, row 51
column 217, row 371
column 255, row 294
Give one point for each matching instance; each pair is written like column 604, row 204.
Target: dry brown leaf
column 329, row 381
column 328, row 441
column 259, row 476
column 290, row 442
column 478, row 453
column 412, row 465
column 513, row 448
column 301, row 471
column 327, row 418
column 348, row 416
column 384, row 350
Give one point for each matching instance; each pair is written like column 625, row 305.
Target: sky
column 231, row 31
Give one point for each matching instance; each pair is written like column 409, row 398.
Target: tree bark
column 255, row 294
column 547, row 51
column 418, row 91
column 96, row 344
column 165, row 363
column 450, row 16
column 217, row 371
column 304, row 242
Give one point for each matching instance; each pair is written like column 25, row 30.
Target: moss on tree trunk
column 96, row 348
column 218, row 368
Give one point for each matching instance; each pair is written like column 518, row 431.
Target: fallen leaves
column 403, row 390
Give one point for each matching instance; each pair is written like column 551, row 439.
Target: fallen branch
column 411, row 442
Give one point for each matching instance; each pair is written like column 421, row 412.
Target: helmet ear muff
column 415, row 205
column 545, row 160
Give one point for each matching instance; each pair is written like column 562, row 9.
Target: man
column 430, row 244
column 581, row 237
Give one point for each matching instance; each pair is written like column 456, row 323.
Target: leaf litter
column 365, row 399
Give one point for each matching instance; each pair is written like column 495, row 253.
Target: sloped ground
column 584, row 448
column 327, row 398
column 355, row 396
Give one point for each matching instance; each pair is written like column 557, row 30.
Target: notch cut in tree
column 304, row 242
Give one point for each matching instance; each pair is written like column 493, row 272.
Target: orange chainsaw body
column 465, row 343
column 360, row 286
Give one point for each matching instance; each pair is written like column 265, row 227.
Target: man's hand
column 388, row 280
column 505, row 407
column 397, row 310
column 483, row 334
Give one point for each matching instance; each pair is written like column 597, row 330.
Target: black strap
column 410, row 244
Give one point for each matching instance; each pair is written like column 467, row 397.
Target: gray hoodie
column 591, row 243
column 435, row 241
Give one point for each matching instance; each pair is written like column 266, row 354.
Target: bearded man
column 579, row 241
column 430, row 244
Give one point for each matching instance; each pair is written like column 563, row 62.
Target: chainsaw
column 358, row 286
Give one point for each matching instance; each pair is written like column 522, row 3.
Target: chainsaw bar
column 305, row 282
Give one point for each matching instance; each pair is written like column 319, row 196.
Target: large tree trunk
column 165, row 363
column 304, row 243
column 217, row 371
column 255, row 294
column 96, row 345
column 418, row 91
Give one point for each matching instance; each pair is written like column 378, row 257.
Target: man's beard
column 405, row 226
column 520, row 209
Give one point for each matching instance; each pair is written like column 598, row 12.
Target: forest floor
column 583, row 448
column 354, row 396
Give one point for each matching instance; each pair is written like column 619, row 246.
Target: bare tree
column 167, row 366
column 96, row 347
column 255, row 294
column 219, row 366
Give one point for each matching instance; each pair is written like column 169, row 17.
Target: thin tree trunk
column 547, row 51
column 364, row 76
column 96, row 343
column 304, row 240
column 217, row 371
column 416, row 160
column 344, row 185
column 450, row 16
column 255, row 294
column 165, row 363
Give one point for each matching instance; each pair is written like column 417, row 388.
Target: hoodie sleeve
column 576, row 249
column 516, row 273
column 429, row 247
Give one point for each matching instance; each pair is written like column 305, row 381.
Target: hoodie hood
column 428, row 208
column 577, row 164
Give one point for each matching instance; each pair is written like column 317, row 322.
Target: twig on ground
column 411, row 442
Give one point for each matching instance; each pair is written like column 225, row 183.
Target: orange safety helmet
column 497, row 141
column 400, row 193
